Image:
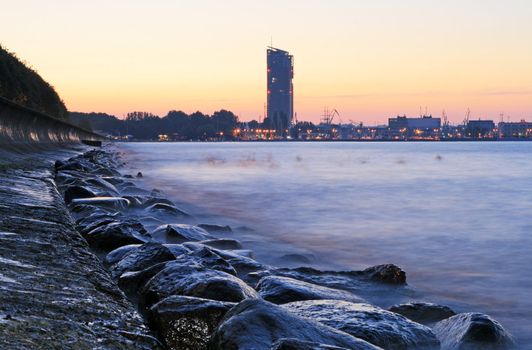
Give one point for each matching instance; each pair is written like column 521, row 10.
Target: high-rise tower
column 280, row 88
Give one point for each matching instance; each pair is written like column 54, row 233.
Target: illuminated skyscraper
column 280, row 88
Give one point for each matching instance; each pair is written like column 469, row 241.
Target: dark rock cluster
column 200, row 290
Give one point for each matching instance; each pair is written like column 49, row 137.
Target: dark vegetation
column 23, row 85
column 177, row 125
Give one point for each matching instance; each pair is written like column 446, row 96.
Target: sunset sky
column 369, row 59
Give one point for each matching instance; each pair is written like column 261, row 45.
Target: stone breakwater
column 200, row 290
column 54, row 292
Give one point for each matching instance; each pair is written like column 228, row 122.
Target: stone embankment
column 54, row 292
column 200, row 290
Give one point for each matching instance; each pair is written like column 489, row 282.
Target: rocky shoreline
column 200, row 290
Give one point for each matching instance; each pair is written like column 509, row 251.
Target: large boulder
column 377, row 326
column 296, row 344
column 387, row 273
column 186, row 322
column 105, row 202
column 117, row 254
column 205, row 257
column 146, row 255
column 424, row 313
column 166, row 209
column 180, row 233
column 195, row 281
column 256, row 324
column 281, row 290
column 73, row 192
column 472, row 331
column 132, row 282
column 117, row 234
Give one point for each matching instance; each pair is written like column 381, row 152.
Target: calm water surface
column 457, row 217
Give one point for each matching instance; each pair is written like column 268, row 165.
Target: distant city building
column 480, row 129
column 425, row 127
column 515, row 130
column 280, row 89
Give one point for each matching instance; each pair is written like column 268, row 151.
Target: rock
column 132, row 282
column 472, row 331
column 424, row 313
column 139, row 174
column 216, row 228
column 166, row 209
column 140, row 258
column 377, row 326
column 117, row 254
column 106, row 202
column 257, row 324
column 155, row 200
column 104, row 220
column 98, row 215
column 179, row 233
column 388, row 273
column 243, row 265
column 117, row 234
column 134, row 201
column 177, row 249
column 195, row 281
column 281, row 290
column 296, row 344
column 223, row 243
column 73, row 192
column 103, row 185
column 208, row 258
column 186, row 322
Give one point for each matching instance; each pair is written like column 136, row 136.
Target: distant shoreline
column 312, row 141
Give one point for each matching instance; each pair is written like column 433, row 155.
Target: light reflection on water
column 457, row 217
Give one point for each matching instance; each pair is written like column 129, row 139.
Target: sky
column 369, row 59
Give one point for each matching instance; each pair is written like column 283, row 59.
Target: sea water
column 457, row 217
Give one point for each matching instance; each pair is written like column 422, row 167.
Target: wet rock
column 117, row 254
column 424, row 313
column 377, row 326
column 117, row 234
column 104, row 220
column 216, row 228
column 140, row 258
column 155, row 200
column 176, row 279
column 139, row 174
column 134, row 201
column 223, row 243
column 106, row 202
column 257, row 324
column 243, row 265
column 472, row 331
column 73, row 192
column 204, row 257
column 167, row 209
column 96, row 216
column 296, row 344
column 103, row 185
column 177, row 249
column 180, row 233
column 388, row 273
column 132, row 282
column 186, row 322
column 281, row 290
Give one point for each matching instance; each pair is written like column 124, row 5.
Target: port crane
column 328, row 116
